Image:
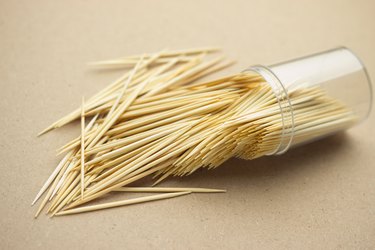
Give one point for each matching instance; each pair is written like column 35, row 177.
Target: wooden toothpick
column 122, row 203
column 83, row 147
column 168, row 189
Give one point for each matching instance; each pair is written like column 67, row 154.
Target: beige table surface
column 320, row 196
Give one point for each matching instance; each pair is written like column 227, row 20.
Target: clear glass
column 338, row 73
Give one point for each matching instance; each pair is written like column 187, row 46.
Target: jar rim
column 285, row 106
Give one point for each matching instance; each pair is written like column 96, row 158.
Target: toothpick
column 122, row 203
column 168, row 190
column 51, row 178
column 83, row 147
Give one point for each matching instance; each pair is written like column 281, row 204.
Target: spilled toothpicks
column 159, row 119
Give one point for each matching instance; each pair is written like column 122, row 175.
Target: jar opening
column 286, row 108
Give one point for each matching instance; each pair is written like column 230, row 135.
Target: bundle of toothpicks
column 160, row 119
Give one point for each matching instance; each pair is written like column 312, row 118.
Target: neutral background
column 320, row 196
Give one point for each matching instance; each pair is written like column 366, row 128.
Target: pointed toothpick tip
column 46, row 130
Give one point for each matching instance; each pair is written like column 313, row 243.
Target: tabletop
column 317, row 196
